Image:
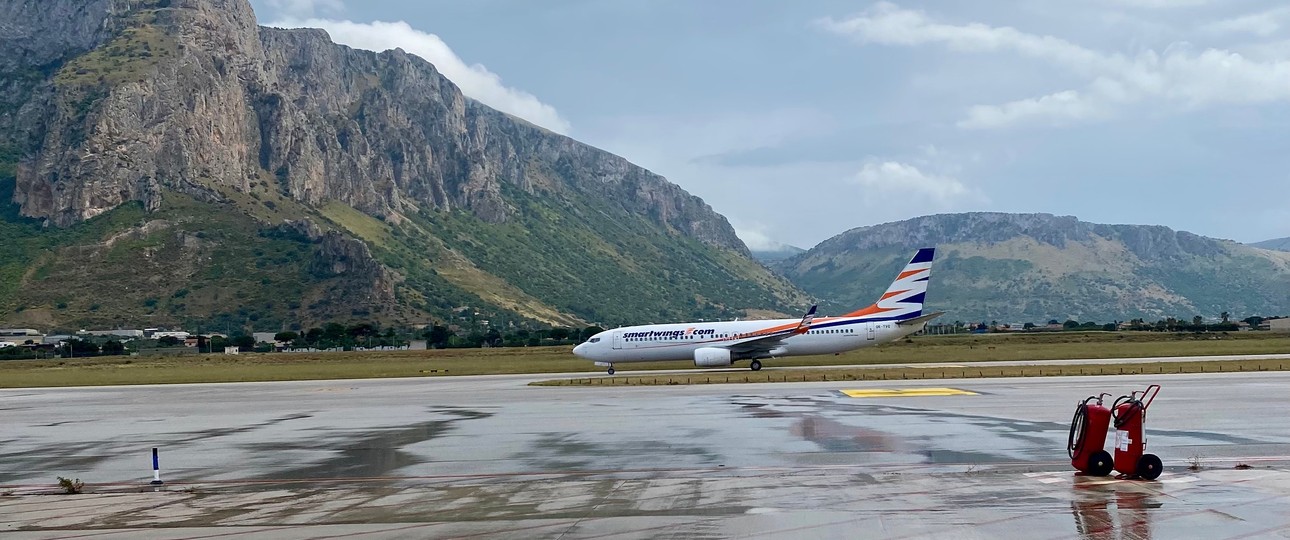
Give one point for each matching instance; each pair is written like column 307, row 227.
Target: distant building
column 1278, row 325
column 177, row 335
column 21, row 336
column 132, row 334
column 231, row 350
column 264, row 337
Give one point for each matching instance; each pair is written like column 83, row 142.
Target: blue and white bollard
column 156, row 470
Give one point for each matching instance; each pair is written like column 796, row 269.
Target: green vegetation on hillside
column 1019, row 268
column 129, row 57
column 187, row 263
column 612, row 269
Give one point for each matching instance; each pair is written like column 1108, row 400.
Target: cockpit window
column 595, row 340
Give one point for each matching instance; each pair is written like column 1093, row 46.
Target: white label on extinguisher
column 1122, row 440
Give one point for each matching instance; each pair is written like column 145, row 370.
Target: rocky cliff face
column 193, row 96
column 1034, row 267
column 110, row 102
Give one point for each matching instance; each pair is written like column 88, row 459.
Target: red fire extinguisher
column 1088, row 435
column 1130, row 416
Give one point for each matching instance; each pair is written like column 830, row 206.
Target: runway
column 490, row 456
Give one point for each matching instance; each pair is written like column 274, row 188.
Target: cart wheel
column 1149, row 467
column 1100, row 463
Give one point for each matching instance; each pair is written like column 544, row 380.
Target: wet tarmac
column 489, row 456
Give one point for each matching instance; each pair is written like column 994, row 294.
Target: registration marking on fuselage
column 906, row 392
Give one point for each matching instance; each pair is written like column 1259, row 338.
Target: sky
column 801, row 120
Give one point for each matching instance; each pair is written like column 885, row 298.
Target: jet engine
column 712, row 357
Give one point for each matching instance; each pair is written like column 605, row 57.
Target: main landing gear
column 755, row 365
column 611, row 370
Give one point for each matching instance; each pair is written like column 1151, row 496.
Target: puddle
column 371, row 453
column 572, row 452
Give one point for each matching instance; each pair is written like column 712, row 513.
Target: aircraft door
column 869, row 332
column 618, row 339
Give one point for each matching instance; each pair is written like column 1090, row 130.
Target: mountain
column 171, row 162
column 776, row 253
column 1278, row 244
column 1036, row 267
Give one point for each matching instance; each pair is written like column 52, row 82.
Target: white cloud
column 1179, row 75
column 896, row 182
column 1057, row 109
column 1158, row 4
column 756, row 238
column 1262, row 24
column 475, row 80
column 306, row 8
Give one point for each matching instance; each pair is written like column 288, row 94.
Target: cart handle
column 1153, row 390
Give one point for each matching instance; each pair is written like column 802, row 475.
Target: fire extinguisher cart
column 1088, row 437
column 1130, row 416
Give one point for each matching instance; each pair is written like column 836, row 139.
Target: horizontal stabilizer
column 920, row 320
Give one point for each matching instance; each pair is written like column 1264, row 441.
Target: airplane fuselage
column 662, row 342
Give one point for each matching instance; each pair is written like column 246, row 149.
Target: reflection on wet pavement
column 787, row 461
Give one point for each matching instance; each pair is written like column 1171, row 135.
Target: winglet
column 805, row 325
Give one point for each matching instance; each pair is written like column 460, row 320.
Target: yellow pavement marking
column 906, row 392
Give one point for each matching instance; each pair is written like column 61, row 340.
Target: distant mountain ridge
column 167, row 162
column 1036, row 267
column 776, row 253
column 1278, row 244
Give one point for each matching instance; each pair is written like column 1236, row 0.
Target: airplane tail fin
column 904, row 298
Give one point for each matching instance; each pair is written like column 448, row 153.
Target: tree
column 244, row 343
column 1070, row 324
column 333, row 332
column 493, row 338
column 285, row 337
column 438, row 336
column 1054, row 321
column 313, row 336
column 1027, row 326
column 1109, row 327
column 590, row 331
column 113, row 347
column 219, row 343
column 80, row 347
column 168, row 341
column 1197, row 320
column 362, row 330
column 559, row 334
column 1224, row 315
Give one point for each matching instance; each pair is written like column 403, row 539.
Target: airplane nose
column 580, row 349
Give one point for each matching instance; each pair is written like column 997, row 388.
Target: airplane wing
column 769, row 340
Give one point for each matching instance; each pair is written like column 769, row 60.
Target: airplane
column 898, row 313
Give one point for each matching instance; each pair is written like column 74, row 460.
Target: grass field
column 356, row 365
